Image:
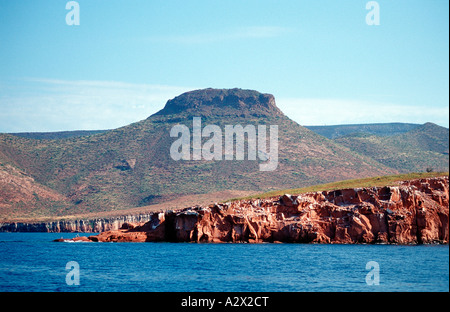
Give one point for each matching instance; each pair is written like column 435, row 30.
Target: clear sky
column 319, row 58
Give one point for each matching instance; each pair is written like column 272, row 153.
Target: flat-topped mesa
column 412, row 212
column 222, row 102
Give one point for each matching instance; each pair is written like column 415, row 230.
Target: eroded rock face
column 413, row 212
column 95, row 225
column 222, row 102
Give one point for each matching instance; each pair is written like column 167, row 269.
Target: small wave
column 72, row 241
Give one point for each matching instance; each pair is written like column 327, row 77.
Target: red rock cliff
column 412, row 212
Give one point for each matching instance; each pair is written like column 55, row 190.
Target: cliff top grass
column 379, row 181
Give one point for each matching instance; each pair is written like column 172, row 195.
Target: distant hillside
column 57, row 135
column 423, row 148
column 379, row 129
column 131, row 166
column 331, row 132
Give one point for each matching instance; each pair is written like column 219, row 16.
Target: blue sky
column 320, row 59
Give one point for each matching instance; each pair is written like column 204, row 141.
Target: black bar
column 222, row 301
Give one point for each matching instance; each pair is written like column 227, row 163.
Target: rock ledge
column 414, row 212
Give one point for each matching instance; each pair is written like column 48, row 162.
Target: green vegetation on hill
column 379, row 129
column 423, row 148
column 57, row 135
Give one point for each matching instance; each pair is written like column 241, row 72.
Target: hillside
column 26, row 196
column 423, row 148
column 57, row 135
column 379, row 129
column 131, row 166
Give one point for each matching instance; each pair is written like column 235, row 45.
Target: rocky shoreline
column 413, row 212
column 95, row 225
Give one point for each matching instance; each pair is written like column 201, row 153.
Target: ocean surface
column 33, row 262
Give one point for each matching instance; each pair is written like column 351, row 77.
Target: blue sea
column 32, row 262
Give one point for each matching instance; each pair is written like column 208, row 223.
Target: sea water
column 33, row 262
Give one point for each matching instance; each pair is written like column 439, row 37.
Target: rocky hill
column 131, row 166
column 222, row 102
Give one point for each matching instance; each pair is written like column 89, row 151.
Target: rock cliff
column 412, row 212
column 86, row 225
column 222, row 102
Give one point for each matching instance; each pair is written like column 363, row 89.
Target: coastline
column 414, row 212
